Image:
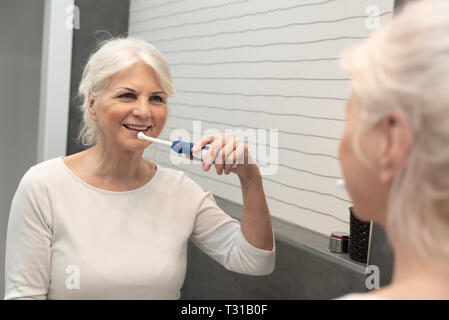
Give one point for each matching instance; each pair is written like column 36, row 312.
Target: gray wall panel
column 299, row 274
column 99, row 20
column 21, row 29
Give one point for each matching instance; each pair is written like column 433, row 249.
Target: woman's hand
column 228, row 150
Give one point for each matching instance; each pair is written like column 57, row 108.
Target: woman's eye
column 127, row 96
column 156, row 100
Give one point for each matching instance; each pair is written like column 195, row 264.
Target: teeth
column 136, row 127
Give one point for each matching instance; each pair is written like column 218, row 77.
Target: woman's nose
column 142, row 108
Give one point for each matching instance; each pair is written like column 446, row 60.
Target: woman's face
column 363, row 183
column 133, row 97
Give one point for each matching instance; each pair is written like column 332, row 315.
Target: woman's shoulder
column 44, row 167
column 42, row 171
column 49, row 164
column 359, row 296
column 37, row 180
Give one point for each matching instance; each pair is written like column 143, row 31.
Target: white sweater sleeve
column 219, row 236
column 29, row 238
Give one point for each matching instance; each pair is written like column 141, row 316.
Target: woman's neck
column 115, row 165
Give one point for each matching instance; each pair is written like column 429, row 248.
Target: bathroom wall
column 21, row 23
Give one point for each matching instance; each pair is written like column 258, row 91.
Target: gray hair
column 405, row 66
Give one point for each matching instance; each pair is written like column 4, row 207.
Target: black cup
column 359, row 238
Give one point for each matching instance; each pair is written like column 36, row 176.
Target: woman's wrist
column 251, row 176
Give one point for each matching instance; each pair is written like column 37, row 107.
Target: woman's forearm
column 256, row 222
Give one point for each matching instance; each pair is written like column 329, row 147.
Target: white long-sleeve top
column 70, row 240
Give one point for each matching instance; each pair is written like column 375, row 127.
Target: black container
column 359, row 238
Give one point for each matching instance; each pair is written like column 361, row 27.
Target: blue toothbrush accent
column 184, row 147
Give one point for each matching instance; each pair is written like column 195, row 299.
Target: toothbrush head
column 142, row 136
column 340, row 183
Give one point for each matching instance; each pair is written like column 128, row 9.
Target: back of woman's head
column 405, row 67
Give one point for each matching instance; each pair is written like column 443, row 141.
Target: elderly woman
column 106, row 223
column 395, row 149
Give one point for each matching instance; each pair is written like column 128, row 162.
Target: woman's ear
column 398, row 140
column 90, row 106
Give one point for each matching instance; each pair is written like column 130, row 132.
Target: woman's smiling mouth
column 136, row 129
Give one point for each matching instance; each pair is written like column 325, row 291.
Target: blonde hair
column 111, row 57
column 405, row 66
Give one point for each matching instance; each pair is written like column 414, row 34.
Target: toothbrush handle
column 186, row 148
column 182, row 147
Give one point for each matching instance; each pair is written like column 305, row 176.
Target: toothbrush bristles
column 142, row 136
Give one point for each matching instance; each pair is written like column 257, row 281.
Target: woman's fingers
column 232, row 158
column 235, row 158
column 210, row 156
column 218, row 150
column 224, row 156
column 198, row 146
column 203, row 141
column 225, row 152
